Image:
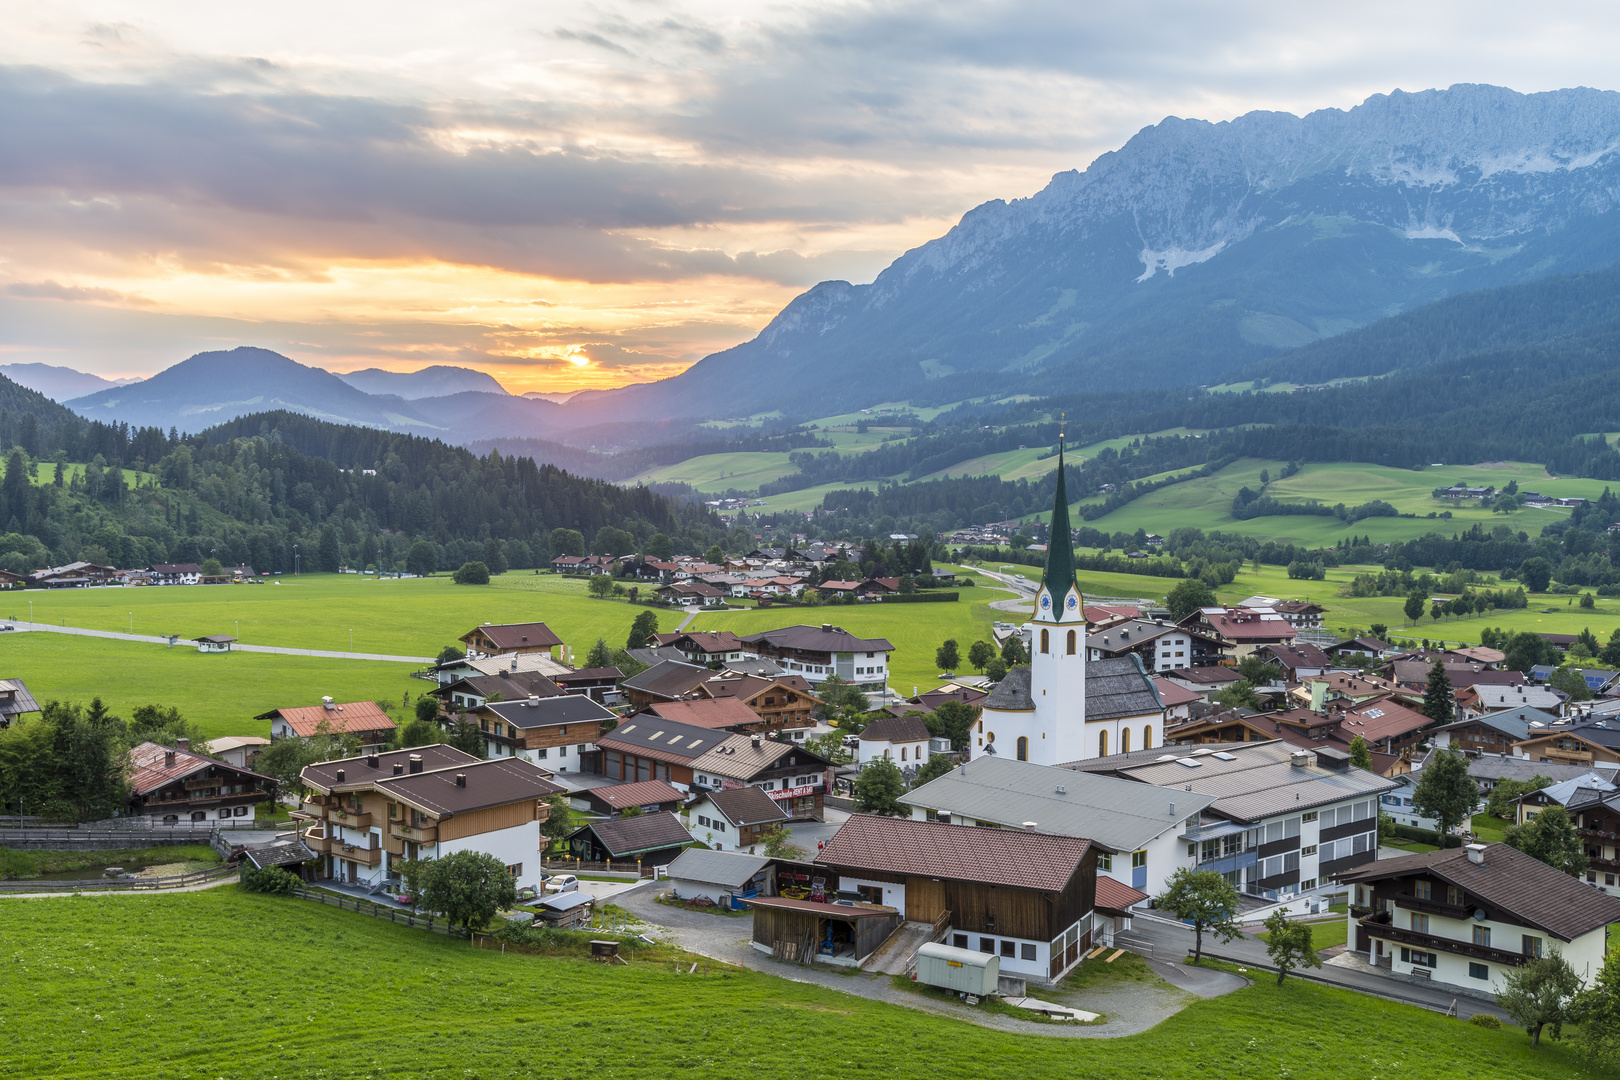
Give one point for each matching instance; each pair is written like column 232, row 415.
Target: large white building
column 1062, row 707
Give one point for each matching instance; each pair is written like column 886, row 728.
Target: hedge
column 1422, row 836
column 921, row 598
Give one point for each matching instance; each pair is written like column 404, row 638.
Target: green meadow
column 742, row 470
column 221, row 985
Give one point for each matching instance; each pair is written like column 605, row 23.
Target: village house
column 692, row 594
column 365, row 720
column 174, row 574
column 647, row 796
column 1295, row 662
column 795, row 778
column 427, row 802
column 1360, row 648
column 1482, row 700
column 734, row 819
column 900, row 739
column 817, row 653
column 672, row 680
column 1205, row 681
column 558, row 733
column 1593, row 805
column 471, row 691
column 1162, row 646
column 782, row 702
column 1246, row 630
column 722, row 876
column 645, row 839
column 1466, row 917
column 717, row 714
column 1177, row 701
column 176, row 785
column 74, row 575
column 648, row 747
column 451, row 670
column 1214, row 724
column 1285, row 820
column 1585, row 742
column 600, row 684
column 930, row 700
column 508, row 638
column 1025, row 897
column 15, row 700
column 708, row 648
column 1140, row 842
column 214, row 643
column 1493, row 733
column 238, row 750
column 587, row 565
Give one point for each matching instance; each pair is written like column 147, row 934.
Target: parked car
column 559, row 883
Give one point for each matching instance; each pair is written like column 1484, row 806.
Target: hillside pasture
column 132, row 986
column 713, row 473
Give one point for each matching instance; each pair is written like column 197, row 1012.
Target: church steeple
column 1059, row 576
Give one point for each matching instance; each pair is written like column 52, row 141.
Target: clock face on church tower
column 1074, row 602
column 1046, row 602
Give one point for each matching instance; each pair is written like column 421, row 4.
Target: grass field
column 743, row 470
column 1325, row 934
column 220, row 694
column 45, row 473
column 220, row 984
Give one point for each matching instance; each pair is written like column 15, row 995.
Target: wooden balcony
column 316, row 809
column 1553, row 753
column 317, row 841
column 1434, row 907
column 1377, row 928
column 363, row 856
column 417, row 834
column 199, row 782
column 337, row 815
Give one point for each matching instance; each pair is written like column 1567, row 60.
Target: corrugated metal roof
column 1013, row 858
column 640, row 793
column 148, row 769
column 670, row 679
column 551, row 711
column 729, row 868
column 1121, row 815
column 651, row 736
column 1260, row 781
column 495, row 782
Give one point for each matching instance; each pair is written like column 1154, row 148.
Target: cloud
column 51, row 290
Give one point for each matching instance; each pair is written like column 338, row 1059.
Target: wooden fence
column 380, row 911
column 38, row 839
column 179, row 881
column 141, row 823
column 576, row 866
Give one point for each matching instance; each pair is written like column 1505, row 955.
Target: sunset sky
column 583, row 195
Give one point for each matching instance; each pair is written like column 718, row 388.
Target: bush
column 920, row 598
column 1422, row 836
column 270, row 879
column 1485, row 1020
column 472, row 573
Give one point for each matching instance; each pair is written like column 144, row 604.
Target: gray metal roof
column 1503, row 767
column 1259, row 781
column 1121, row 815
column 729, row 868
column 1514, row 722
column 1115, row 687
column 550, row 711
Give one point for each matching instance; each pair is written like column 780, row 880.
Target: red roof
column 1008, row 857
column 1244, row 626
column 147, row 771
column 352, row 716
column 640, row 793
column 508, row 636
column 1116, row 895
column 1096, row 613
column 1173, row 695
column 723, row 712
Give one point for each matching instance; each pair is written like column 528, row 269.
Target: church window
column 1071, row 642
column 1147, row 737
column 1102, row 744
column 1046, row 641
column 1125, row 741
column 1023, row 748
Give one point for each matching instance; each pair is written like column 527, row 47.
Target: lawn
column 742, row 470
column 1489, row 828
column 138, row 987
column 391, row 616
column 1325, row 934
column 220, row 694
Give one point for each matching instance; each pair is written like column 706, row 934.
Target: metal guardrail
column 179, row 881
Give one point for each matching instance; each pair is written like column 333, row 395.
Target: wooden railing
column 380, row 911
column 179, row 881
column 575, row 866
column 941, row 926
column 64, row 839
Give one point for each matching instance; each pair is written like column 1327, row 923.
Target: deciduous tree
column 879, row 787
column 1205, row 899
column 1540, row 993
column 600, row 585
column 1360, row 757
column 1551, row 837
column 981, row 653
column 468, row 888
column 1445, row 791
column 947, row 656
column 1188, row 596
column 645, row 626
column 1597, row 1010
column 472, row 573
column 1288, row 944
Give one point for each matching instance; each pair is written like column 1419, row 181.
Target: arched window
column 1102, row 744
column 1046, row 642
column 1147, row 737
column 1071, row 642
column 1125, row 741
column 1023, row 748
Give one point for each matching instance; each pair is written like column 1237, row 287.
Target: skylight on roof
column 1373, row 713
column 1190, row 763
column 628, row 728
column 1224, row 756
column 1165, row 757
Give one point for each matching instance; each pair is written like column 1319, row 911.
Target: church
column 1062, row 707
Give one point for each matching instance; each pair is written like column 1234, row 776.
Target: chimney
column 1029, row 826
column 1476, row 854
column 826, row 628
column 416, row 763
column 1300, row 759
column 944, row 817
column 326, row 703
column 514, row 661
column 1172, row 809
column 461, row 779
column 168, row 759
column 183, row 745
column 756, row 741
column 340, row 776
column 399, row 768
column 534, row 699
column 371, row 761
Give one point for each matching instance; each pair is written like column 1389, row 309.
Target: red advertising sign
column 793, row 793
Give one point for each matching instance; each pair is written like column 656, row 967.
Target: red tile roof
column 147, row 771
column 1015, row 859
column 640, row 793
column 1116, row 895
column 1240, row 627
column 353, row 716
column 507, row 636
column 1173, row 695
column 723, row 712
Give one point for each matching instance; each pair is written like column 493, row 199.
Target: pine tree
column 1437, row 697
column 1359, row 755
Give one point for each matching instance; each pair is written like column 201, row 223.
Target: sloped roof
column 148, row 771
column 491, row 665
column 19, row 700
column 1115, row 895
column 278, row 853
column 818, row 639
column 494, row 782
column 343, row 717
column 895, row 729
column 713, row 713
column 740, row 757
column 1172, row 695
column 640, row 793
column 1121, row 815
column 509, row 684
column 359, row 771
column 1512, row 722
column 732, row 869
column 670, row 679
column 549, row 711
column 1535, row 893
column 1010, row 858
column 510, row 636
column 1012, row 693
column 1118, row 686
column 651, row 736
column 747, row 806
column 634, row 835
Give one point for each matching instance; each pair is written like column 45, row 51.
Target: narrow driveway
column 184, row 643
column 728, row 939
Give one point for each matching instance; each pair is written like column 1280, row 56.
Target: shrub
column 472, row 573
column 270, row 879
column 1485, row 1020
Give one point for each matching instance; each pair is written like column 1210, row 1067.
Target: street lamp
column 351, row 639
column 295, row 560
column 30, row 612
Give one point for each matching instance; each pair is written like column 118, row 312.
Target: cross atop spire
column 1059, row 576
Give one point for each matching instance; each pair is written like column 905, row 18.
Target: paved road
column 1176, row 940
column 46, row 628
column 727, row 939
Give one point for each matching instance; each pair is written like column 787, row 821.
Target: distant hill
column 59, row 383
column 1195, row 249
column 213, row 387
column 439, row 380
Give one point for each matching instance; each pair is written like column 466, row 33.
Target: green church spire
column 1059, row 576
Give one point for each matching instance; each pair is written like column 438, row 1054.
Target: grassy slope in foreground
column 132, row 987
